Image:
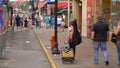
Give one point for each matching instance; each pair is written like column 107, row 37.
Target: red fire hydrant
column 52, row 38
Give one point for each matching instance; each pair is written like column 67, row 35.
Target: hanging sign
column 89, row 13
column 1, row 5
column 1, row 10
column 51, row 1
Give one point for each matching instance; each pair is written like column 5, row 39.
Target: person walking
column 21, row 23
column 47, row 20
column 52, row 21
column 99, row 36
column 26, row 22
column 117, row 33
column 38, row 21
column 29, row 24
column 17, row 21
column 59, row 20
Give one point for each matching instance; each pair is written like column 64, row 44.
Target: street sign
column 51, row 1
column 1, row 13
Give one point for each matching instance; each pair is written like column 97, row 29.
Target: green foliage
column 23, row 6
column 116, row 6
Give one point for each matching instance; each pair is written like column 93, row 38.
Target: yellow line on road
column 7, row 61
column 45, row 50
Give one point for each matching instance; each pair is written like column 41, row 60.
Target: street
column 26, row 28
column 23, row 51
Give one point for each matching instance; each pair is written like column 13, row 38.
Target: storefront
column 82, row 11
column 87, row 11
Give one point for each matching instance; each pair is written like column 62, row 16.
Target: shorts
column 58, row 24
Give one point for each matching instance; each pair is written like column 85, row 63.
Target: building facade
column 87, row 11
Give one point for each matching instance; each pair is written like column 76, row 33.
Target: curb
column 53, row 65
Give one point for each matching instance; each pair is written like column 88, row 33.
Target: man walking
column 38, row 21
column 99, row 36
column 17, row 21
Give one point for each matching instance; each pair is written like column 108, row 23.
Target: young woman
column 117, row 33
column 29, row 24
column 72, row 29
column 26, row 22
column 59, row 20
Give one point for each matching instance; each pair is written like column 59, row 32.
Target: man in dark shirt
column 99, row 36
column 17, row 21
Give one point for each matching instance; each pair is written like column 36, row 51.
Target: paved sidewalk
column 84, row 53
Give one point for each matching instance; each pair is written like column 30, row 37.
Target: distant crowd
column 49, row 20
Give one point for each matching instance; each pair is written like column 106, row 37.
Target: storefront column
column 84, row 16
column 48, row 9
column 94, row 10
column 74, row 9
column 77, row 11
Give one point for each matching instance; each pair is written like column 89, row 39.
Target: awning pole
column 68, row 12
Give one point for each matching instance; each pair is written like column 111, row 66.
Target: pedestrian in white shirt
column 59, row 21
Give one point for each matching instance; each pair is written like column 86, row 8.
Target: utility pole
column 33, row 14
column 68, row 12
column 55, row 49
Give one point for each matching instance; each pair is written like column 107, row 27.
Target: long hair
column 74, row 23
column 75, row 32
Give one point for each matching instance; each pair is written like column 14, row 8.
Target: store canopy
column 16, row 2
column 61, row 4
column 19, row 0
column 41, row 5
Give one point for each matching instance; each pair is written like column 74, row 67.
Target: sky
column 18, row 0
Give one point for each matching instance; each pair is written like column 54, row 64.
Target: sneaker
column 106, row 62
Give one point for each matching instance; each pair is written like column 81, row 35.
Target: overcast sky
column 17, row 0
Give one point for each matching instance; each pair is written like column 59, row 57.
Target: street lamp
column 55, row 50
column 68, row 12
column 33, row 14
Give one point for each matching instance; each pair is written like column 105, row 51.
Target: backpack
column 77, row 38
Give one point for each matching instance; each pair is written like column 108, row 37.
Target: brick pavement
column 84, row 51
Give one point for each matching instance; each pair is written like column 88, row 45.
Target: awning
column 19, row 0
column 41, row 5
column 61, row 4
column 16, row 2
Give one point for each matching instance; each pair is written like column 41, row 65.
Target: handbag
column 113, row 38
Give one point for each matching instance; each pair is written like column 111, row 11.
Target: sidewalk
column 23, row 51
column 84, row 53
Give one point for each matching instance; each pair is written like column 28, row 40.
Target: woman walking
column 117, row 33
column 29, row 24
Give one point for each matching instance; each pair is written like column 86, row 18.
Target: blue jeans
column 118, row 50
column 102, row 46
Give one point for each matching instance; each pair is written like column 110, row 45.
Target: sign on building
column 1, row 10
column 89, row 16
column 51, row 1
